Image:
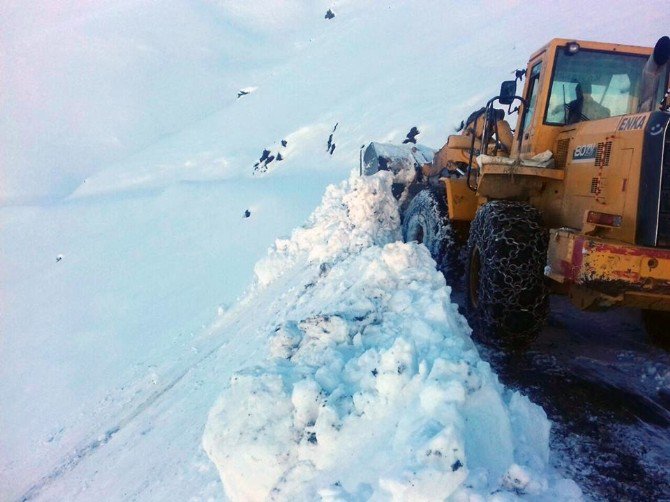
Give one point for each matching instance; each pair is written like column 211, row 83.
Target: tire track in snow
column 89, row 447
column 233, row 322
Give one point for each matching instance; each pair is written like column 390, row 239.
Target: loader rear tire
column 426, row 221
column 507, row 252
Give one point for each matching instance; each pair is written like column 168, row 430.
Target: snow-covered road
column 152, row 451
column 87, row 340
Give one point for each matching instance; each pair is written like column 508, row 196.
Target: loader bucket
column 402, row 160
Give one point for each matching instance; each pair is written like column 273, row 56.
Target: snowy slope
column 142, row 94
column 127, row 164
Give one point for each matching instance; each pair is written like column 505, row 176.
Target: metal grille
column 603, row 154
column 562, row 152
column 595, row 186
column 664, row 206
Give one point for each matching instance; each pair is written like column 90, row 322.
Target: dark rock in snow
column 330, row 148
column 267, row 157
column 262, row 165
column 330, row 14
column 456, row 465
column 247, row 213
column 411, row 136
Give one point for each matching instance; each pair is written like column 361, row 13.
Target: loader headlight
column 572, row 48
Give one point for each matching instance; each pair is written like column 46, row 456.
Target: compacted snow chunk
column 372, row 387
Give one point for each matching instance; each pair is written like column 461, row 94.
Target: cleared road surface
column 606, row 387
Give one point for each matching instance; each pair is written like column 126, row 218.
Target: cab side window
column 533, row 91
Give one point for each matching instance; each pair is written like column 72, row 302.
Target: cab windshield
column 592, row 85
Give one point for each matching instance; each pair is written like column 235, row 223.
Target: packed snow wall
column 372, row 387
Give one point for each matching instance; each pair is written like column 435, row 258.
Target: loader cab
column 569, row 82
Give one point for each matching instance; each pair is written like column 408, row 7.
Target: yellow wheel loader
column 574, row 200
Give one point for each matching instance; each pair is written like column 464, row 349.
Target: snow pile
column 352, row 217
column 372, row 387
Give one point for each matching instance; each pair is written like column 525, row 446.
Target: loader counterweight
column 615, row 273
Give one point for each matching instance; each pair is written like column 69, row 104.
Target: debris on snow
column 247, row 213
column 372, row 387
column 330, row 14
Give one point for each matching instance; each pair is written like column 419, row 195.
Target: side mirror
column 507, row 92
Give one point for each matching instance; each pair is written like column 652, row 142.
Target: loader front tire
column 507, row 252
column 426, row 221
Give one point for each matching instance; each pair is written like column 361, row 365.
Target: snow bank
column 372, row 387
column 352, row 217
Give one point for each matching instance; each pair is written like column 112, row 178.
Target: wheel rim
column 475, row 266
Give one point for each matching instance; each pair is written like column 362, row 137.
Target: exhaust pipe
column 654, row 70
